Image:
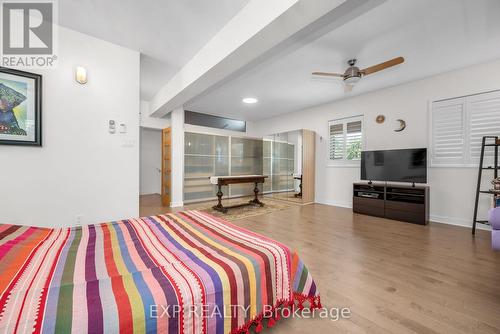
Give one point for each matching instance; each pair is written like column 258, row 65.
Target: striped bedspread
column 187, row 272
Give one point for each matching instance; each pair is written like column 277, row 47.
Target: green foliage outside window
column 354, row 151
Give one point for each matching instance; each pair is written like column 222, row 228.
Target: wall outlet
column 79, row 219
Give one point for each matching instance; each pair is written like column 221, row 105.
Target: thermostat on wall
column 112, row 126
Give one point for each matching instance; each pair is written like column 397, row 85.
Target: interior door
column 166, row 166
column 308, row 165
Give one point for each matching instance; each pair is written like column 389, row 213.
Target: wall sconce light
column 81, row 75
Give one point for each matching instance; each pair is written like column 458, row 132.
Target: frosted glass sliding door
column 246, row 159
column 283, row 161
column 204, row 156
column 210, row 155
column 267, row 164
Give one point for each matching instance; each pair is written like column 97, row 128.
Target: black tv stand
column 407, row 203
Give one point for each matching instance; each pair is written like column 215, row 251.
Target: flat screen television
column 408, row 165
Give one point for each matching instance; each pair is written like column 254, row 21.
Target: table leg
column 256, row 192
column 300, row 187
column 219, row 206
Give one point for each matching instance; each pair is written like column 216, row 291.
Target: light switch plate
column 128, row 143
column 123, row 128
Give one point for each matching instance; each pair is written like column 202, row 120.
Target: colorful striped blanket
column 187, row 272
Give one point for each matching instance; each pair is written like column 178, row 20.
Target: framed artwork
column 20, row 108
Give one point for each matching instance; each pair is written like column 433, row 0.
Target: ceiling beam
column 259, row 27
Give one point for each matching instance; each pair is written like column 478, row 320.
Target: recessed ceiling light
column 250, row 100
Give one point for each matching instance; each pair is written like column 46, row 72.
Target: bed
column 187, row 272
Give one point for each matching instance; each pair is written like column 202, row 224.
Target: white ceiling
column 168, row 33
column 433, row 36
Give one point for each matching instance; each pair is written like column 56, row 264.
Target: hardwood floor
column 395, row 277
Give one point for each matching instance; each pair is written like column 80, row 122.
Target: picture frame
column 20, row 108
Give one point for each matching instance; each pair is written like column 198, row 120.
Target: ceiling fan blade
column 326, row 74
column 383, row 66
column 348, row 88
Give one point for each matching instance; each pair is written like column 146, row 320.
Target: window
column 346, row 139
column 458, row 126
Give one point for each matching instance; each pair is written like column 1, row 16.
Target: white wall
column 177, row 156
column 81, row 170
column 150, row 166
column 452, row 189
column 147, row 121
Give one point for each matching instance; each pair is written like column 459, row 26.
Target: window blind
column 458, row 126
column 448, row 131
column 484, row 110
column 346, row 136
column 336, row 141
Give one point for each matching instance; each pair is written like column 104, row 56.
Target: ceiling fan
column 353, row 74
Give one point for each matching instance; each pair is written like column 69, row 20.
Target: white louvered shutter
column 448, row 132
column 336, row 141
column 484, row 120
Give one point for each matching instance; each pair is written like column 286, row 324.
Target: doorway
column 150, row 155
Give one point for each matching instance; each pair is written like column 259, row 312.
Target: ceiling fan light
column 250, row 100
column 351, row 80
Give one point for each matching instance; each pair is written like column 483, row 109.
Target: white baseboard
column 346, row 205
column 466, row 223
column 176, row 204
column 457, row 222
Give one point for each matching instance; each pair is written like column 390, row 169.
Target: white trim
column 461, row 222
column 451, row 221
column 346, row 205
column 454, row 166
column 467, row 223
column 176, row 204
column 346, row 165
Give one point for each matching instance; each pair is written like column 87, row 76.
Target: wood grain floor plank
column 395, row 277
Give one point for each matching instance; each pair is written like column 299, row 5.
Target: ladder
column 494, row 168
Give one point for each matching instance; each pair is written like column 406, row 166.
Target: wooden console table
column 227, row 180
